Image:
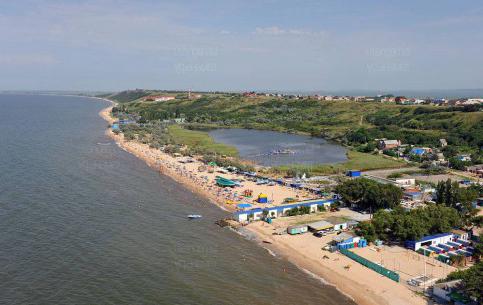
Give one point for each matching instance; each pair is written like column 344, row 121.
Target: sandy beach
column 362, row 285
column 201, row 182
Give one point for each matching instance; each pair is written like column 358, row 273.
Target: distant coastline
column 411, row 93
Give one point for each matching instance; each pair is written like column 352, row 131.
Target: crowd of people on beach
column 201, row 181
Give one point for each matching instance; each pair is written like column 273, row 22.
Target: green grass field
column 201, row 141
column 357, row 161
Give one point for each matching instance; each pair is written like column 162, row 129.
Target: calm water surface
column 259, row 145
column 83, row 222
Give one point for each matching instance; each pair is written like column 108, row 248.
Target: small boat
column 194, row 216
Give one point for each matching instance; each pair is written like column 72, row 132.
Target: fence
column 365, row 262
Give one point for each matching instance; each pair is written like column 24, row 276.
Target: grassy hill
column 350, row 122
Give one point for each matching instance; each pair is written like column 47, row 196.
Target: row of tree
column 450, row 194
column 401, row 225
column 369, row 195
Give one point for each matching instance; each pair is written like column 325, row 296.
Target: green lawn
column 357, row 161
column 201, row 141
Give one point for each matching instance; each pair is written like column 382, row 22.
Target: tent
column 262, row 198
column 224, row 181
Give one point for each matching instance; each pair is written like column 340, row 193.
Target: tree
column 478, row 252
column 457, row 260
column 450, row 194
column 401, row 225
column 321, row 208
column 368, row 194
column 366, row 229
column 471, row 280
column 457, row 163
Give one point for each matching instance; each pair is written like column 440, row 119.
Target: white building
column 405, row 182
column 163, row 98
column 427, row 241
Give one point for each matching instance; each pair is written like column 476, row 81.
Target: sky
column 239, row 45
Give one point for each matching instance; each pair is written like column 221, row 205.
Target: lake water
column 84, row 222
column 260, row 145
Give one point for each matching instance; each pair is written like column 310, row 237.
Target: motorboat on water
column 194, row 216
column 282, row 152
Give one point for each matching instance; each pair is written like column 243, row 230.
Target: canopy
column 224, row 182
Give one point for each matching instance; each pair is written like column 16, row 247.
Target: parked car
column 320, row 233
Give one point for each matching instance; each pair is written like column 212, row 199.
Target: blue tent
column 243, row 205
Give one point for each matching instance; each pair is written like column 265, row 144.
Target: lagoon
column 271, row 148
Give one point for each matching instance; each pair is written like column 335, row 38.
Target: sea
column 84, row 222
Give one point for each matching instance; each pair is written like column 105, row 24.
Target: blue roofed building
column 420, row 151
column 431, row 240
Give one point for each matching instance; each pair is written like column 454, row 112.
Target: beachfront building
column 427, row 241
column 345, row 237
column 294, row 230
column 461, row 234
column 320, row 226
column 338, row 223
column 279, row 211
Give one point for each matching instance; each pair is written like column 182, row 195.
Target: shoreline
column 367, row 288
column 156, row 164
